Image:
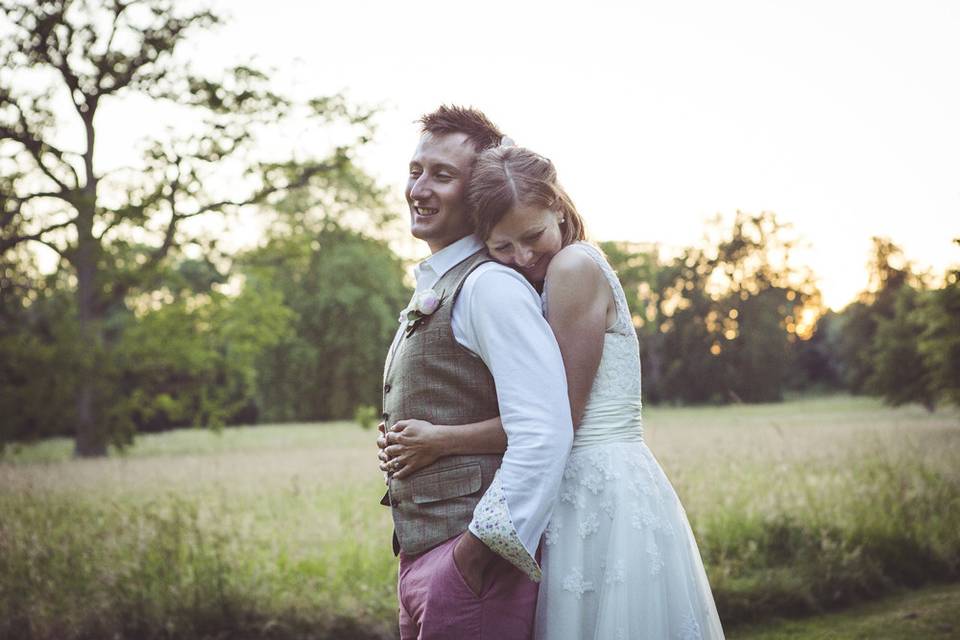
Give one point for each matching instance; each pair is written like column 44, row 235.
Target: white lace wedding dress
column 619, row 559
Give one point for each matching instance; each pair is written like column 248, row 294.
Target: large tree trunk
column 90, row 439
column 90, row 436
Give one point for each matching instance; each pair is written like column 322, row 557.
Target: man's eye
column 444, row 177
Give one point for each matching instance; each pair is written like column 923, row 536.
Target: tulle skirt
column 619, row 559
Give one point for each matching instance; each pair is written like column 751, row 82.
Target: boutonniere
column 423, row 304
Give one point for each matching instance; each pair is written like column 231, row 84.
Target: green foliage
column 184, row 354
column 366, row 416
column 901, row 340
column 193, row 362
column 345, row 290
column 719, row 323
column 856, row 326
column 939, row 340
column 38, row 352
column 304, row 338
column 899, row 373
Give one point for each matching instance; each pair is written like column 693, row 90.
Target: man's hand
column 411, row 445
column 472, row 558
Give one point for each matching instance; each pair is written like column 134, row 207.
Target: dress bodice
column 613, row 410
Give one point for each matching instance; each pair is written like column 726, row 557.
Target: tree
column 731, row 312
column 760, row 318
column 888, row 272
column 716, row 323
column 88, row 53
column 816, row 364
column 193, row 361
column 345, row 290
column 916, row 348
column 939, row 341
column 37, row 334
column 899, row 372
column 692, row 373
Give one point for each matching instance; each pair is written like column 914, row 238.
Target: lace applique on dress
column 575, row 584
column 691, row 628
column 589, row 525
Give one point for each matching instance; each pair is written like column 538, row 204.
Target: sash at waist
column 609, row 421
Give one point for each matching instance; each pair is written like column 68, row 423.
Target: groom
column 467, row 527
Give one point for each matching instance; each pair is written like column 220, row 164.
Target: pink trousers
column 437, row 604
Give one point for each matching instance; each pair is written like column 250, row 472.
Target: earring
column 562, row 220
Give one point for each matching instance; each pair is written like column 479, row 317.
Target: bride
column 619, row 558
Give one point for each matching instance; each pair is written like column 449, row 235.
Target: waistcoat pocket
column 449, row 483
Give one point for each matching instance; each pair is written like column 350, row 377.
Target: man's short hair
column 482, row 133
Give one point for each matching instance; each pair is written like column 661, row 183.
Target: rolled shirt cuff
column 493, row 525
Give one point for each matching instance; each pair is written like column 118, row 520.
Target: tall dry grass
column 276, row 531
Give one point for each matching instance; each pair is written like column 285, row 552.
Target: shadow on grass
column 789, row 569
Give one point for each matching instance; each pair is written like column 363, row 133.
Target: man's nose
column 420, row 190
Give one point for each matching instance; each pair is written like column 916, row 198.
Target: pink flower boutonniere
column 423, row 304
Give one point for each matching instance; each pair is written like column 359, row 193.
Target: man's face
column 436, row 186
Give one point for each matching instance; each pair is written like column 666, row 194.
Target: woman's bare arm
column 410, row 445
column 578, row 298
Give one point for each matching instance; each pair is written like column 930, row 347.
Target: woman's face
column 527, row 238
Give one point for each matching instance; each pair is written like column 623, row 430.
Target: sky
column 842, row 117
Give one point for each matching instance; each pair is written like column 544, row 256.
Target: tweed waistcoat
column 430, row 376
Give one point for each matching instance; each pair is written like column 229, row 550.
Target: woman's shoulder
column 576, row 260
column 575, row 274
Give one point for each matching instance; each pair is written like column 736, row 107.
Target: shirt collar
column 432, row 269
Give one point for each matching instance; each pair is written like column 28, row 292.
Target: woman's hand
column 408, row 446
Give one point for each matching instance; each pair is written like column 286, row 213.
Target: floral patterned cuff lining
column 493, row 525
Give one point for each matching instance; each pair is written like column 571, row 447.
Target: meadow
column 276, row 531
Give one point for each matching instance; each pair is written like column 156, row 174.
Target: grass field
column 932, row 613
column 276, row 531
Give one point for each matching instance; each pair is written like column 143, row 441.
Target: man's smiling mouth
column 426, row 212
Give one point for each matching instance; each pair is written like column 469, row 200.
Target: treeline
column 297, row 328
column 302, row 339
column 738, row 322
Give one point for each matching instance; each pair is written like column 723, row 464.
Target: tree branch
column 35, row 145
column 8, row 243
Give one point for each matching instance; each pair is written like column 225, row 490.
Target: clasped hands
column 408, row 446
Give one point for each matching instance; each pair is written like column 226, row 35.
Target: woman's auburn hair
column 504, row 177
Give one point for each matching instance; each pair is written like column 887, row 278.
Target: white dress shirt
column 498, row 317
